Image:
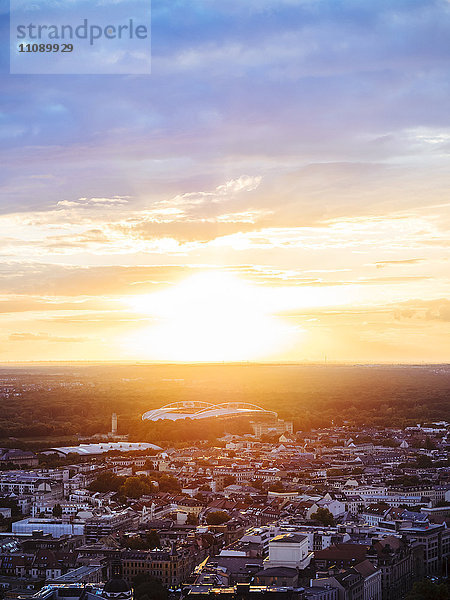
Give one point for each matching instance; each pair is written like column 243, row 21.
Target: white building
column 56, row 527
column 372, row 580
column 288, row 550
column 45, row 507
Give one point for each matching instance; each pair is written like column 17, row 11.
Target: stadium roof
column 94, row 449
column 205, row 410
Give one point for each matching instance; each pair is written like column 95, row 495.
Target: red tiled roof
column 343, row 552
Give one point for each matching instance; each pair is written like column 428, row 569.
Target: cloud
column 110, row 319
column 298, row 144
column 44, row 337
column 24, row 303
column 92, row 202
column 431, row 310
column 56, row 281
column 405, row 279
column 182, row 204
column 408, row 261
column 278, row 86
column 400, row 231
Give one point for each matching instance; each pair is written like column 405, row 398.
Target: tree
column 152, row 539
column 406, row 480
column 229, row 480
column 106, row 482
column 423, row 461
column 429, row 444
column 135, row 542
column 135, row 487
column 276, row 486
column 57, row 511
column 142, row 542
column 428, row 590
column 217, row 517
column 323, row 516
column 192, row 519
column 147, row 587
column 12, row 504
column 168, row 483
column 389, row 443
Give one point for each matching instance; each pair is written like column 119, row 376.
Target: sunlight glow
column 212, row 317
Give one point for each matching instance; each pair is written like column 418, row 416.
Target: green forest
column 62, row 402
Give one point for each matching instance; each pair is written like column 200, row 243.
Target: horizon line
column 218, row 363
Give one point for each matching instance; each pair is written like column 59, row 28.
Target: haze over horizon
column 277, row 190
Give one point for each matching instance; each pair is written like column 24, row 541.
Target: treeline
column 134, row 486
column 188, row 430
column 56, row 401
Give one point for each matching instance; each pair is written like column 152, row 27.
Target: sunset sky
column 277, row 189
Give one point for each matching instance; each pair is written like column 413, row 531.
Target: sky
column 277, row 189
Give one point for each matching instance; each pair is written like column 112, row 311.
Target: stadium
column 204, row 410
column 96, row 449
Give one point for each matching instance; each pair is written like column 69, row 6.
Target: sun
column 212, row 316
